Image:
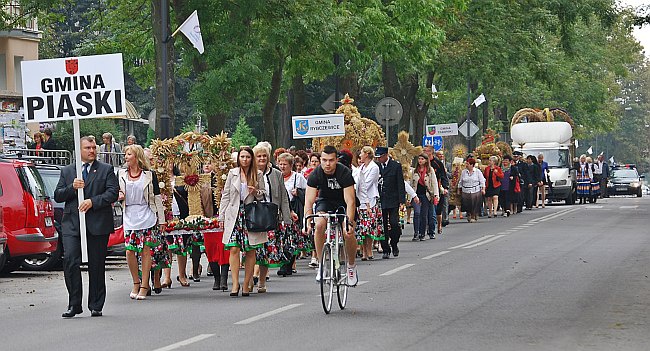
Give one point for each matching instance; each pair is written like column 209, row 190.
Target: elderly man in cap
column 391, row 194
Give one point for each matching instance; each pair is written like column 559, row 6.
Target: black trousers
column 391, row 237
column 96, row 270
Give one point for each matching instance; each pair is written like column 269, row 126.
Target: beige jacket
column 229, row 206
column 430, row 181
column 154, row 201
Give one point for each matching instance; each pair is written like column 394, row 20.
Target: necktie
column 84, row 173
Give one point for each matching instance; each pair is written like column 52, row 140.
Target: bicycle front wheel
column 326, row 272
column 342, row 286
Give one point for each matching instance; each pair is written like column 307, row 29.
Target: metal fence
column 54, row 157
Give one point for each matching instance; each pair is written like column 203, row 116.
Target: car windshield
column 624, row 173
column 556, row 158
column 32, row 182
column 50, row 179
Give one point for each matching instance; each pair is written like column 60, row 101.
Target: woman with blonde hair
column 369, row 225
column 471, row 186
column 275, row 252
column 244, row 184
column 143, row 219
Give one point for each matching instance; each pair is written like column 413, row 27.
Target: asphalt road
column 559, row 278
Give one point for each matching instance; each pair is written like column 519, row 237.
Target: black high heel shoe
column 236, row 294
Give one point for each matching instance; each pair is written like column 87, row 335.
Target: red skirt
column 214, row 248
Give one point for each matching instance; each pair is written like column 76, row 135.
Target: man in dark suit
column 100, row 188
column 391, row 194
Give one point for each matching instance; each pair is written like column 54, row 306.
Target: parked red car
column 27, row 212
column 3, row 240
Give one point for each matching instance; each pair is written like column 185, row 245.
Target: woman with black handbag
column 244, row 185
column 277, row 250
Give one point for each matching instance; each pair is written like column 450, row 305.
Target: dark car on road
column 625, row 180
column 51, row 175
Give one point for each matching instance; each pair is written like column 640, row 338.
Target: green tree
column 243, row 135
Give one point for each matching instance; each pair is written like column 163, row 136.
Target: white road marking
column 360, row 282
column 484, row 242
column 527, row 224
column 556, row 215
column 471, row 242
column 503, row 233
column 628, row 207
column 268, row 314
column 393, row 271
column 185, row 342
column 594, row 207
column 435, row 255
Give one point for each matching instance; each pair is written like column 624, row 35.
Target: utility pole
column 164, row 116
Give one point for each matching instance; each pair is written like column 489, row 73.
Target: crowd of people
column 371, row 188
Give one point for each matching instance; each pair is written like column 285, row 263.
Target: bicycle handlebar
column 328, row 215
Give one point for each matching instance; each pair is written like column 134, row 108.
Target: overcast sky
column 642, row 34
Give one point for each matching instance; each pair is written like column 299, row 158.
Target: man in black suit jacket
column 100, row 188
column 391, row 194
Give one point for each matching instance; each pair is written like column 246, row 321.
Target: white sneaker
column 313, row 263
column 318, row 277
column 353, row 279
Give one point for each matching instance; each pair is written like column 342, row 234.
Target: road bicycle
column 333, row 261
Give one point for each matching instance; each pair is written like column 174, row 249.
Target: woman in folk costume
column 277, row 250
column 584, row 176
column 369, row 225
column 244, row 184
column 594, row 183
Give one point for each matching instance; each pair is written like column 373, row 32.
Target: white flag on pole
column 590, row 150
column 479, row 100
column 192, row 31
column 611, row 160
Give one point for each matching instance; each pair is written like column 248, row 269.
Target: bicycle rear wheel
column 326, row 282
column 342, row 285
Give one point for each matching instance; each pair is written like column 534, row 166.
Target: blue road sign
column 427, row 140
column 437, row 143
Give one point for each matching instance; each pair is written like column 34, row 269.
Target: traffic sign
column 427, row 140
column 437, row 143
column 473, row 129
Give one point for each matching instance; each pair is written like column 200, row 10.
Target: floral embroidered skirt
column 280, row 247
column 239, row 236
column 136, row 240
column 181, row 242
column 370, row 224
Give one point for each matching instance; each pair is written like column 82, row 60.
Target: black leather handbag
column 261, row 216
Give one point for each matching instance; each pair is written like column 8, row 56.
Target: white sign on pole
column 316, row 126
column 442, row 129
column 77, row 87
column 73, row 88
column 473, row 129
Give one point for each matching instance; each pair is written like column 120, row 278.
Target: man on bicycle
column 333, row 184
